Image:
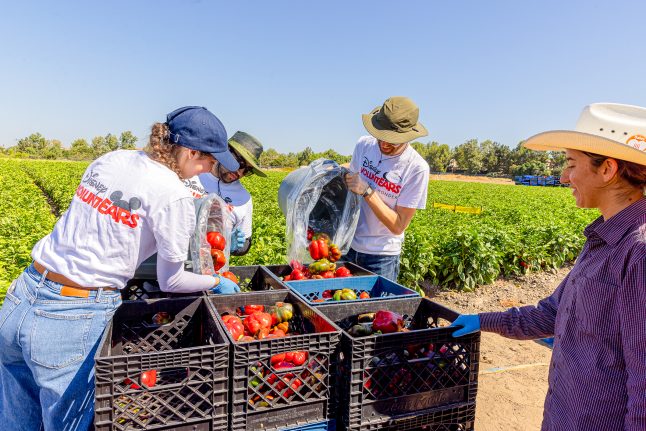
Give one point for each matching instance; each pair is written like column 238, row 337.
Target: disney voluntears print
column 399, row 180
column 120, row 210
column 122, row 233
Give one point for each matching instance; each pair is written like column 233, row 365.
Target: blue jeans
column 384, row 265
column 47, row 346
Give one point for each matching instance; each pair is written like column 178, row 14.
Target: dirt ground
column 513, row 374
column 472, row 179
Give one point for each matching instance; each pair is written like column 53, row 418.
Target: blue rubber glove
column 469, row 324
column 225, row 286
column 237, row 240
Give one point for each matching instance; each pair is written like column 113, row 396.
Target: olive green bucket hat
column 249, row 148
column 395, row 122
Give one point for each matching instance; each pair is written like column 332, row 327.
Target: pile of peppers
column 257, row 322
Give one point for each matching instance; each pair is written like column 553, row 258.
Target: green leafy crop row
column 520, row 229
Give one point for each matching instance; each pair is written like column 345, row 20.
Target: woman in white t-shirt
column 226, row 184
column 393, row 179
column 129, row 205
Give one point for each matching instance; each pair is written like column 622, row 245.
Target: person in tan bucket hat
column 597, row 314
column 392, row 178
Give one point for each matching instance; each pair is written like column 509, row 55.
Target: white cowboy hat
column 608, row 129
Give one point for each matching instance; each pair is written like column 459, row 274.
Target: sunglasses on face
column 246, row 169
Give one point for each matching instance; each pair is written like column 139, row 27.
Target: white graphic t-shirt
column 399, row 180
column 126, row 208
column 233, row 193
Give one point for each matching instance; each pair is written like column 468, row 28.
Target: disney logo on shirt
column 195, row 187
column 91, row 180
column 120, row 210
column 368, row 164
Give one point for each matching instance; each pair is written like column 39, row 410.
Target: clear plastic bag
column 211, row 214
column 320, row 201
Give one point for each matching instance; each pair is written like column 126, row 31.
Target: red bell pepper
column 234, row 325
column 342, row 272
column 327, row 274
column 249, row 309
column 297, row 358
column 148, row 378
column 293, row 387
column 216, row 240
column 318, row 249
column 219, row 259
column 279, row 357
column 297, row 274
column 387, row 322
column 257, row 321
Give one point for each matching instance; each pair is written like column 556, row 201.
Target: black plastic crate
column 382, row 377
column 190, row 359
column 283, row 270
column 257, row 400
column 251, row 278
column 143, row 289
column 457, row 418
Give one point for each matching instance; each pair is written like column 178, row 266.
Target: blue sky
column 301, row 73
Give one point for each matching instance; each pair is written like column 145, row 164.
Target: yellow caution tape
column 458, row 209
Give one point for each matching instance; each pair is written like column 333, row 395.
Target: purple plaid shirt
column 597, row 377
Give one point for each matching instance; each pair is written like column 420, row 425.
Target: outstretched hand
column 225, row 286
column 468, row 324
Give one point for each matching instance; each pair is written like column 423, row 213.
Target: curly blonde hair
column 160, row 148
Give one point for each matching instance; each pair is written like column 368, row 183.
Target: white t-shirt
column 400, row 181
column 233, row 194
column 126, row 208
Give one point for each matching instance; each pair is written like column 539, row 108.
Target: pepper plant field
column 520, row 228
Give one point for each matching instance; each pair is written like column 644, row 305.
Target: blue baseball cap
column 196, row 128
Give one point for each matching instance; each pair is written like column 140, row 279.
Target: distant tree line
column 471, row 157
column 490, row 158
column 273, row 159
column 35, row 146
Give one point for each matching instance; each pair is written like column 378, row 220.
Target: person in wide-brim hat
column 246, row 150
column 249, row 149
column 596, row 314
column 395, row 122
column 608, row 129
column 392, row 180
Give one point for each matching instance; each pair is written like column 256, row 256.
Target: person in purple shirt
column 597, row 315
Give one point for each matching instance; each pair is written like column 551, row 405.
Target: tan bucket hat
column 395, row 122
column 249, row 148
column 608, row 129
